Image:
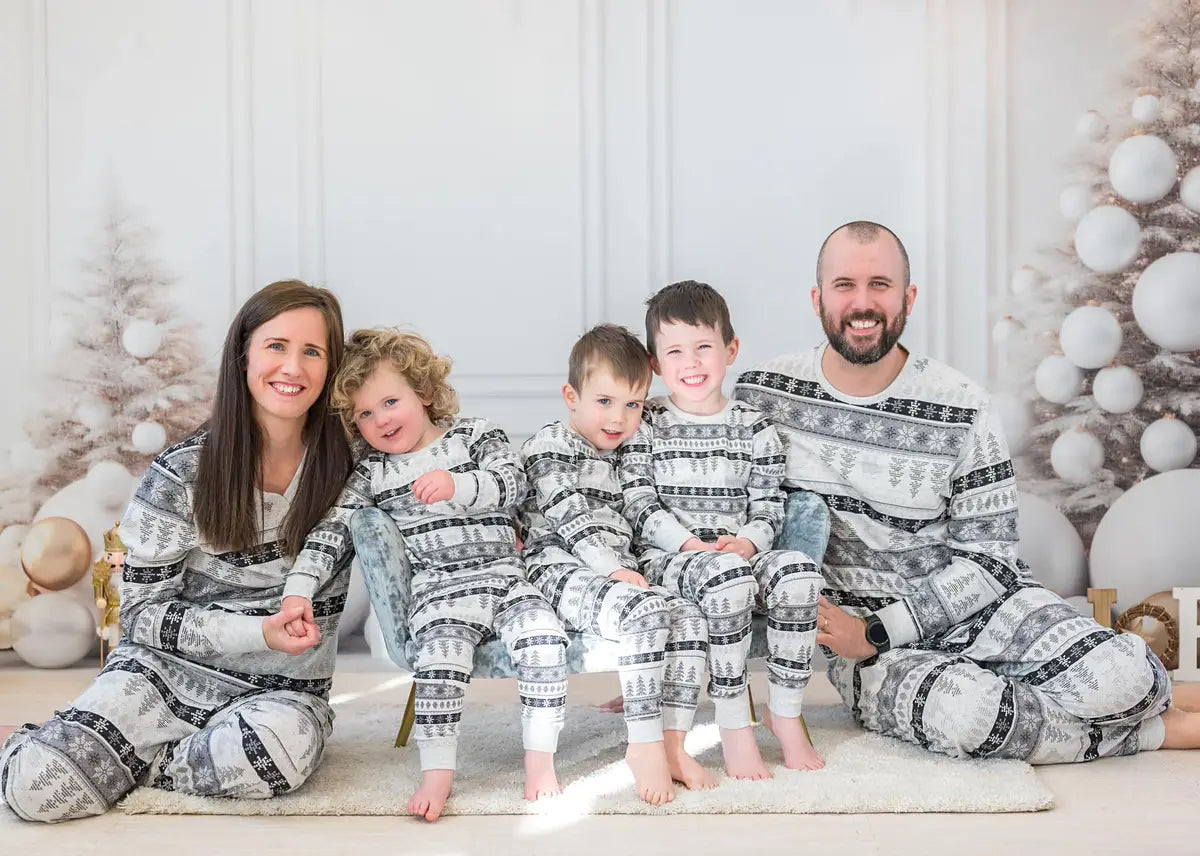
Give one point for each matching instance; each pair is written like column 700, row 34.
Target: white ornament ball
column 1117, row 389
column 1168, row 444
column 1166, row 301
column 358, row 604
column 1050, row 546
column 141, row 338
column 10, row 542
column 1146, row 108
column 1189, row 189
column 1077, row 456
column 1107, row 239
column 149, row 437
column 1006, row 331
column 1057, row 379
column 111, row 484
column 1075, row 201
column 1142, row 169
column 1025, row 282
column 53, row 630
column 1090, row 337
column 1090, row 126
column 94, row 414
column 1015, row 421
column 1148, row 540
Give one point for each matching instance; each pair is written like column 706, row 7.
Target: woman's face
column 287, row 361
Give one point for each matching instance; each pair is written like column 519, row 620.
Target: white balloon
column 1090, row 126
column 149, row 437
column 53, row 630
column 1050, row 546
column 1025, row 281
column 1090, row 337
column 1146, row 108
column 1015, row 421
column 1142, row 169
column 1077, row 456
column 94, row 414
column 1148, row 539
column 1006, row 330
column 1117, row 389
column 141, row 338
column 1057, row 379
column 1107, row 239
column 1075, row 201
column 358, row 604
column 1168, row 444
column 1189, row 189
column 1166, row 301
column 112, row 484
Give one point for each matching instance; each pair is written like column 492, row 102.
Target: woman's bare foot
column 651, row 776
column 540, row 779
column 798, row 752
column 742, row 758
column 684, row 768
column 6, row 730
column 1186, row 696
column 430, row 798
column 1183, row 729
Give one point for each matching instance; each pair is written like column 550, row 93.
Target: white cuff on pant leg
column 678, row 718
column 733, row 712
column 1151, row 734
column 438, row 753
column 784, row 701
column 645, row 730
column 540, row 734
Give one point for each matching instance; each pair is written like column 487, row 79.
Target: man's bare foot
column 1183, row 729
column 1186, row 696
column 651, row 776
column 742, row 758
column 613, row 705
column 540, row 780
column 430, row 798
column 798, row 752
column 684, row 768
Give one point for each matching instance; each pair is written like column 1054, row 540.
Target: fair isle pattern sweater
column 189, row 600
column 919, row 486
column 691, row 476
column 469, row 531
column 575, row 502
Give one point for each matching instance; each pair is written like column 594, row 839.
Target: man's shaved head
column 864, row 232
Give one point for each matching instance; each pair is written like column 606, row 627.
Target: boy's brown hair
column 408, row 355
column 613, row 347
column 689, row 302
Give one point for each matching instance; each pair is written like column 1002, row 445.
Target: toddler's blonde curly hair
column 410, row 356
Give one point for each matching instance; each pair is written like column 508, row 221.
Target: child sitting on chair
column 451, row 485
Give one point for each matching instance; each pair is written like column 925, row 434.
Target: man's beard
column 859, row 356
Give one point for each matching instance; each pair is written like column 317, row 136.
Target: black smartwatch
column 877, row 634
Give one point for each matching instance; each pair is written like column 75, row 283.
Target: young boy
column 451, row 485
column 578, row 552
column 702, row 493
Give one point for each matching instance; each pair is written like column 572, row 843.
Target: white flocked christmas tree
column 1099, row 338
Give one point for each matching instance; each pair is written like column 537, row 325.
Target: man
column 942, row 638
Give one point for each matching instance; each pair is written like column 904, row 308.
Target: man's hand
column 296, row 627
column 842, row 633
column 433, row 487
column 279, row 639
column 744, row 547
column 695, row 544
column 631, row 577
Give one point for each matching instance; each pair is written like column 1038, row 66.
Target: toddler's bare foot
column 430, row 798
column 651, row 776
column 742, row 758
column 613, row 705
column 798, row 752
column 684, row 768
column 540, row 779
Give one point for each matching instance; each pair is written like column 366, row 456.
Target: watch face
column 876, row 633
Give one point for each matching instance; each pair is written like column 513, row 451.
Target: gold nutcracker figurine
column 108, row 600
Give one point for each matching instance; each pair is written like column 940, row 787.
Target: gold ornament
column 112, row 540
column 55, row 553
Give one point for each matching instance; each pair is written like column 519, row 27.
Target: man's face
column 862, row 300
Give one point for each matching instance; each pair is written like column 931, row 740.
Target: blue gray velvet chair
column 384, row 565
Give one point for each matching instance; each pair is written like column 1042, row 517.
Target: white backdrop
column 501, row 175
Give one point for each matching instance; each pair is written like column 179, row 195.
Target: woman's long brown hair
column 229, row 477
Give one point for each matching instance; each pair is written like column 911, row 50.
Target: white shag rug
column 363, row 774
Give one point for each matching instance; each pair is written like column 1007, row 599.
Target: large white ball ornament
column 1168, row 444
column 1146, row 108
column 1057, row 379
column 1090, row 126
column 1090, row 337
column 1075, row 201
column 111, row 484
column 1107, row 239
column 94, row 414
column 141, row 338
column 10, row 542
column 1050, row 546
column 1148, row 540
column 53, row 630
column 149, row 437
column 1006, row 331
column 1025, row 282
column 1117, row 389
column 1077, row 456
column 1142, row 169
column 1166, row 301
column 1189, row 189
column 1015, row 421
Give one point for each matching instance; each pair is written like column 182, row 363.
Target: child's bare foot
column 540, row 780
column 742, row 758
column 1183, row 696
column 1182, row 727
column 613, row 705
column 798, row 752
column 684, row 768
column 651, row 776
column 430, row 798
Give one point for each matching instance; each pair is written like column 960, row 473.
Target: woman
column 207, row 693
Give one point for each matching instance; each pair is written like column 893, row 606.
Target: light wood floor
column 1124, row 805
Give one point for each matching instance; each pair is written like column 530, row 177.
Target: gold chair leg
column 804, row 728
column 753, row 713
column 410, row 716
